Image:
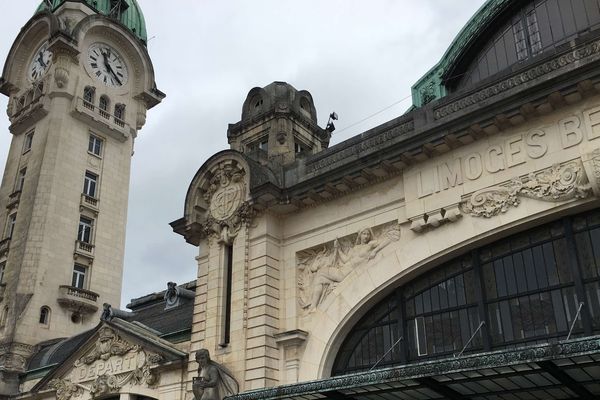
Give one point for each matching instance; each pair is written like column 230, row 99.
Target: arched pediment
column 99, row 26
column 39, row 28
column 219, row 199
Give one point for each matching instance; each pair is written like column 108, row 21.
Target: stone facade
column 52, row 122
column 298, row 241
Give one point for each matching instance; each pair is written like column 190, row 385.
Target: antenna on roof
column 330, row 126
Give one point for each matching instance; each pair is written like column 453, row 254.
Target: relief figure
column 321, row 271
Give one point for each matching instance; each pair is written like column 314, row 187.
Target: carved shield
column 226, row 200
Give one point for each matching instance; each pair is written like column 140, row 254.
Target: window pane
column 593, row 302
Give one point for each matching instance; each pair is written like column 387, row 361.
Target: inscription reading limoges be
column 514, row 151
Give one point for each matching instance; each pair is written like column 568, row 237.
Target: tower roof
column 132, row 16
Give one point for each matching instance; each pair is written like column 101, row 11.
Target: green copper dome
column 131, row 16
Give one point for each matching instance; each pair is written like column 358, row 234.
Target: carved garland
column 65, row 389
column 558, row 183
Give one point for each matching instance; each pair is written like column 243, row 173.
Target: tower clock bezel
column 40, row 63
column 106, row 65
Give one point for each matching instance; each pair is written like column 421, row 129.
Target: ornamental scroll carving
column 321, row 270
column 558, row 183
column 228, row 208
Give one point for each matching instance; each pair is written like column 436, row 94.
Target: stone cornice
column 460, row 119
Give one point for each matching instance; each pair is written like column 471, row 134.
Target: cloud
column 355, row 57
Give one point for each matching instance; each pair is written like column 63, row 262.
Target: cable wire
column 374, row 114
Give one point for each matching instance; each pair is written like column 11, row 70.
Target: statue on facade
column 214, row 381
column 324, row 269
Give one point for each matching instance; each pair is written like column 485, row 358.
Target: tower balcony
column 84, row 249
column 4, row 246
column 101, row 120
column 13, row 200
column 77, row 300
column 29, row 108
column 89, row 203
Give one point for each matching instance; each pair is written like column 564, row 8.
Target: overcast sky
column 356, row 57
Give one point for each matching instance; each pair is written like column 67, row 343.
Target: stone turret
column 279, row 123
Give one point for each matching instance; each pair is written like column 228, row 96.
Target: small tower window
column 90, row 182
column 120, row 114
column 117, row 8
column 79, row 272
column 2, row 271
column 89, row 94
column 10, row 226
column 45, row 315
column 103, row 106
column 3, row 316
column 95, row 145
column 28, row 142
column 264, row 144
column 84, row 233
column 20, row 180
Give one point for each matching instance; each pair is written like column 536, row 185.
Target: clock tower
column 79, row 81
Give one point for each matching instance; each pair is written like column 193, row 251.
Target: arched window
column 120, row 114
column 529, row 288
column 45, row 315
column 89, row 94
column 103, row 105
column 3, row 316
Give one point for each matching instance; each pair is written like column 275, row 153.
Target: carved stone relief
column 228, row 210
column 557, row 183
column 108, row 344
column 321, row 269
column 435, row 219
column 109, row 366
column 591, row 163
column 65, row 389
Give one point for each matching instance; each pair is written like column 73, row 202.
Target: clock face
column 107, row 65
column 42, row 59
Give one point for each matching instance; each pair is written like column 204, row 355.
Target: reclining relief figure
column 321, row 271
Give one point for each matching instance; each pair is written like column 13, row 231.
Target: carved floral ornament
column 108, row 367
column 321, row 269
column 557, row 183
column 228, row 209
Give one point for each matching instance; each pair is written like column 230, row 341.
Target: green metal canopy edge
column 132, row 17
column 431, row 85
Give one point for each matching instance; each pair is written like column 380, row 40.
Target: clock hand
column 109, row 68
column 41, row 60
